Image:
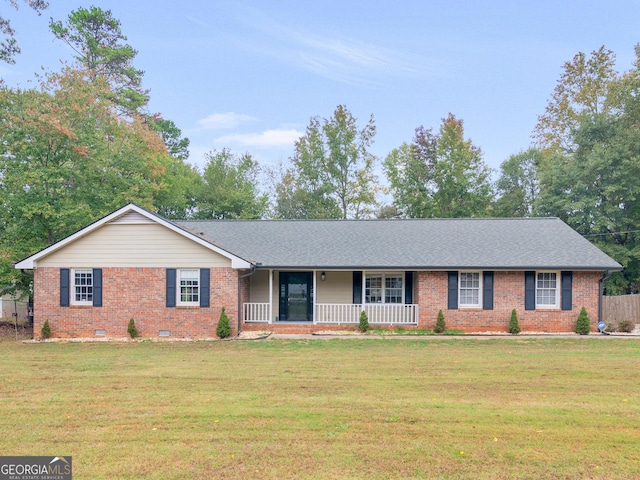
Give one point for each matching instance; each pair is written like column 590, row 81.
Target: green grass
column 341, row 408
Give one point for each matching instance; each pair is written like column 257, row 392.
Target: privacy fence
column 617, row 308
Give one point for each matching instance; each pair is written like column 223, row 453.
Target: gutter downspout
column 253, row 270
column 606, row 275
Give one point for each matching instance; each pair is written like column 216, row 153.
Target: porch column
column 315, row 293
column 270, row 296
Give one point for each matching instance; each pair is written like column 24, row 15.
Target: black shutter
column 171, row 287
column 487, row 290
column 529, row 290
column 408, row 288
column 357, row 288
column 97, row 287
column 204, row 287
column 64, row 287
column 567, row 300
column 453, row 291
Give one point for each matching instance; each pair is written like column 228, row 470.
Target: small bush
column 131, row 329
column 223, row 330
column 625, row 326
column 440, row 325
column 514, row 326
column 46, row 330
column 364, row 322
column 583, row 325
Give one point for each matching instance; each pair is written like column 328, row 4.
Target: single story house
column 174, row 277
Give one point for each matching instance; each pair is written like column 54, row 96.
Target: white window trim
column 72, row 289
column 470, row 305
column 179, row 301
column 556, row 305
column 383, row 296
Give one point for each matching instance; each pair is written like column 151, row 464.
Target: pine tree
column 223, row 330
column 46, row 330
column 583, row 325
column 440, row 325
column 131, row 329
column 514, row 327
column 364, row 322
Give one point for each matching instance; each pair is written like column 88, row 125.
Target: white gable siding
column 133, row 245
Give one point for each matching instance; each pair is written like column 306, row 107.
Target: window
column 82, row 288
column 469, row 289
column 547, row 289
column 189, row 290
column 383, row 288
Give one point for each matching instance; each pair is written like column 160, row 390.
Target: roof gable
column 131, row 214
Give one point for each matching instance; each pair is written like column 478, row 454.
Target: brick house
column 173, row 277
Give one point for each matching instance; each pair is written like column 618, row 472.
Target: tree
column 96, row 38
column 68, row 158
column 230, row 188
column 518, row 186
column 223, row 329
column 583, row 88
column 332, row 174
column 9, row 45
column 439, row 176
column 583, row 324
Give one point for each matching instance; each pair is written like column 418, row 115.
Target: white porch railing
column 256, row 312
column 378, row 314
column 344, row 313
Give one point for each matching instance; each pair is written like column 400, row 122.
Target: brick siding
column 508, row 293
column 137, row 293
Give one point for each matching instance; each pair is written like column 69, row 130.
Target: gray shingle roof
column 507, row 244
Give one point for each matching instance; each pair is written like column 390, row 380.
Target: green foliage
column 223, row 330
column 514, row 326
column 519, row 184
column 78, row 165
column 131, row 328
column 230, row 188
column 95, row 35
column 440, row 324
column 583, row 325
column 332, row 174
column 440, row 176
column 364, row 326
column 584, row 89
column 45, row 332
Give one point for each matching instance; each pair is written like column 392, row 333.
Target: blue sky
column 248, row 75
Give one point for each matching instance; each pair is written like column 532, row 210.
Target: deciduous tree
column 439, row 175
column 332, row 173
column 230, row 188
column 518, row 186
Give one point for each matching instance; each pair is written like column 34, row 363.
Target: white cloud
column 268, row 138
column 220, row 121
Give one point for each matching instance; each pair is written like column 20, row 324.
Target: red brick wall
column 508, row 293
column 137, row 293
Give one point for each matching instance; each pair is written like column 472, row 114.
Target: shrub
column 223, row 330
column 514, row 326
column 46, row 330
column 131, row 329
column 583, row 325
column 625, row 326
column 364, row 322
column 440, row 325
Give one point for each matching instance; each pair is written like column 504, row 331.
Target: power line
column 609, row 233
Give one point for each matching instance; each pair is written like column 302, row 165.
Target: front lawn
column 341, row 408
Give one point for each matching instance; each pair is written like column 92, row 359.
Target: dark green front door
column 296, row 296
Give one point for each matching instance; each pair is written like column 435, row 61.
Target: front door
column 296, row 296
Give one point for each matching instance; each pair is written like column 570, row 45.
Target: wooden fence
column 621, row 307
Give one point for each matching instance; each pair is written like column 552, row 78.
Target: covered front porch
column 330, row 297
